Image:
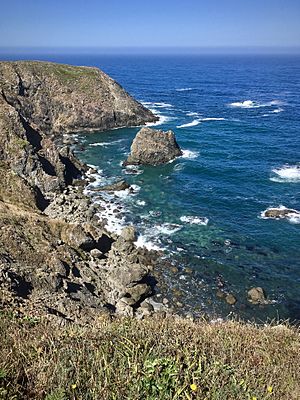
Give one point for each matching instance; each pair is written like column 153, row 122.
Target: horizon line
column 153, row 49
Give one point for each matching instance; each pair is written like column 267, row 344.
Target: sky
column 150, row 24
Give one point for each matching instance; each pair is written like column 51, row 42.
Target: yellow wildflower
column 269, row 389
column 254, row 398
column 194, row 387
column 74, row 386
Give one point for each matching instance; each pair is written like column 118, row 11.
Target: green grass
column 151, row 359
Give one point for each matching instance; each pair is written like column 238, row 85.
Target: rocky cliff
column 69, row 268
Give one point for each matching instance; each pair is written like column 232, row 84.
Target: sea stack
column 153, row 147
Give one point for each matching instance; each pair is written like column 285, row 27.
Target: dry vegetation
column 159, row 358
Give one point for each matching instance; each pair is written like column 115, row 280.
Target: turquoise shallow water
column 238, row 120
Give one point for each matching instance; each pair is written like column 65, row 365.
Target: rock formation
column 256, row 295
column 282, row 212
column 55, row 257
column 153, row 147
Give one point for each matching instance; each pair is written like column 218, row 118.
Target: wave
column 151, row 237
column 194, row 220
column 184, row 89
column 192, row 114
column 212, row 119
column 195, row 122
column 291, row 215
column 144, row 241
column 163, row 119
column 255, row 104
column 105, row 144
column 189, row 154
column 156, row 104
column 141, row 203
column 167, row 228
column 287, row 173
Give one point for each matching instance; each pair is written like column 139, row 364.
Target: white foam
column 212, row 119
column 156, row 104
column 105, row 144
column 277, row 110
column 150, row 237
column 144, row 242
column 195, row 122
column 94, row 178
column 141, row 203
column 163, row 119
column 112, row 212
column 255, row 104
column 192, row 114
column 244, row 104
column 194, row 220
column 287, row 173
column 187, row 89
column 92, row 166
column 293, row 216
column 167, row 228
column 189, row 154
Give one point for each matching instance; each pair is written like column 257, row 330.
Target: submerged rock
column 153, row 147
column 230, row 299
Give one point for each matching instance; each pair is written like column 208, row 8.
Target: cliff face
column 70, row 268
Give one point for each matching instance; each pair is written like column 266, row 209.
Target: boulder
column 129, row 234
column 153, row 147
column 256, row 295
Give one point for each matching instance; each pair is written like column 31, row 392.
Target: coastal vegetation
column 155, row 358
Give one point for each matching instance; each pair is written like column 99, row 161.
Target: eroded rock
column 256, row 295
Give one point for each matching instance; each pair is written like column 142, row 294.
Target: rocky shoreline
column 56, row 257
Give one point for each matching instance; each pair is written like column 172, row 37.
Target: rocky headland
column 56, row 258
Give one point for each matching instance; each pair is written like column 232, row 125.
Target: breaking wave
column 189, row 154
column 194, row 220
column 287, row 173
column 195, row 122
column 255, row 104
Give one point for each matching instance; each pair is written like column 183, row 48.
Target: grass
column 158, row 358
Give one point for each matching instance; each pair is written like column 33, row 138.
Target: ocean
column 237, row 119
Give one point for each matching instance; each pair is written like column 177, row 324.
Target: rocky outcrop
column 281, row 212
column 56, row 258
column 153, row 147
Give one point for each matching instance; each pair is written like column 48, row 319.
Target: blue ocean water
column 237, row 118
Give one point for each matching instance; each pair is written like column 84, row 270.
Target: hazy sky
column 153, row 23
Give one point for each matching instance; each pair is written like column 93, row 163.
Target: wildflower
column 194, row 387
column 74, row 386
column 269, row 389
column 254, row 398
